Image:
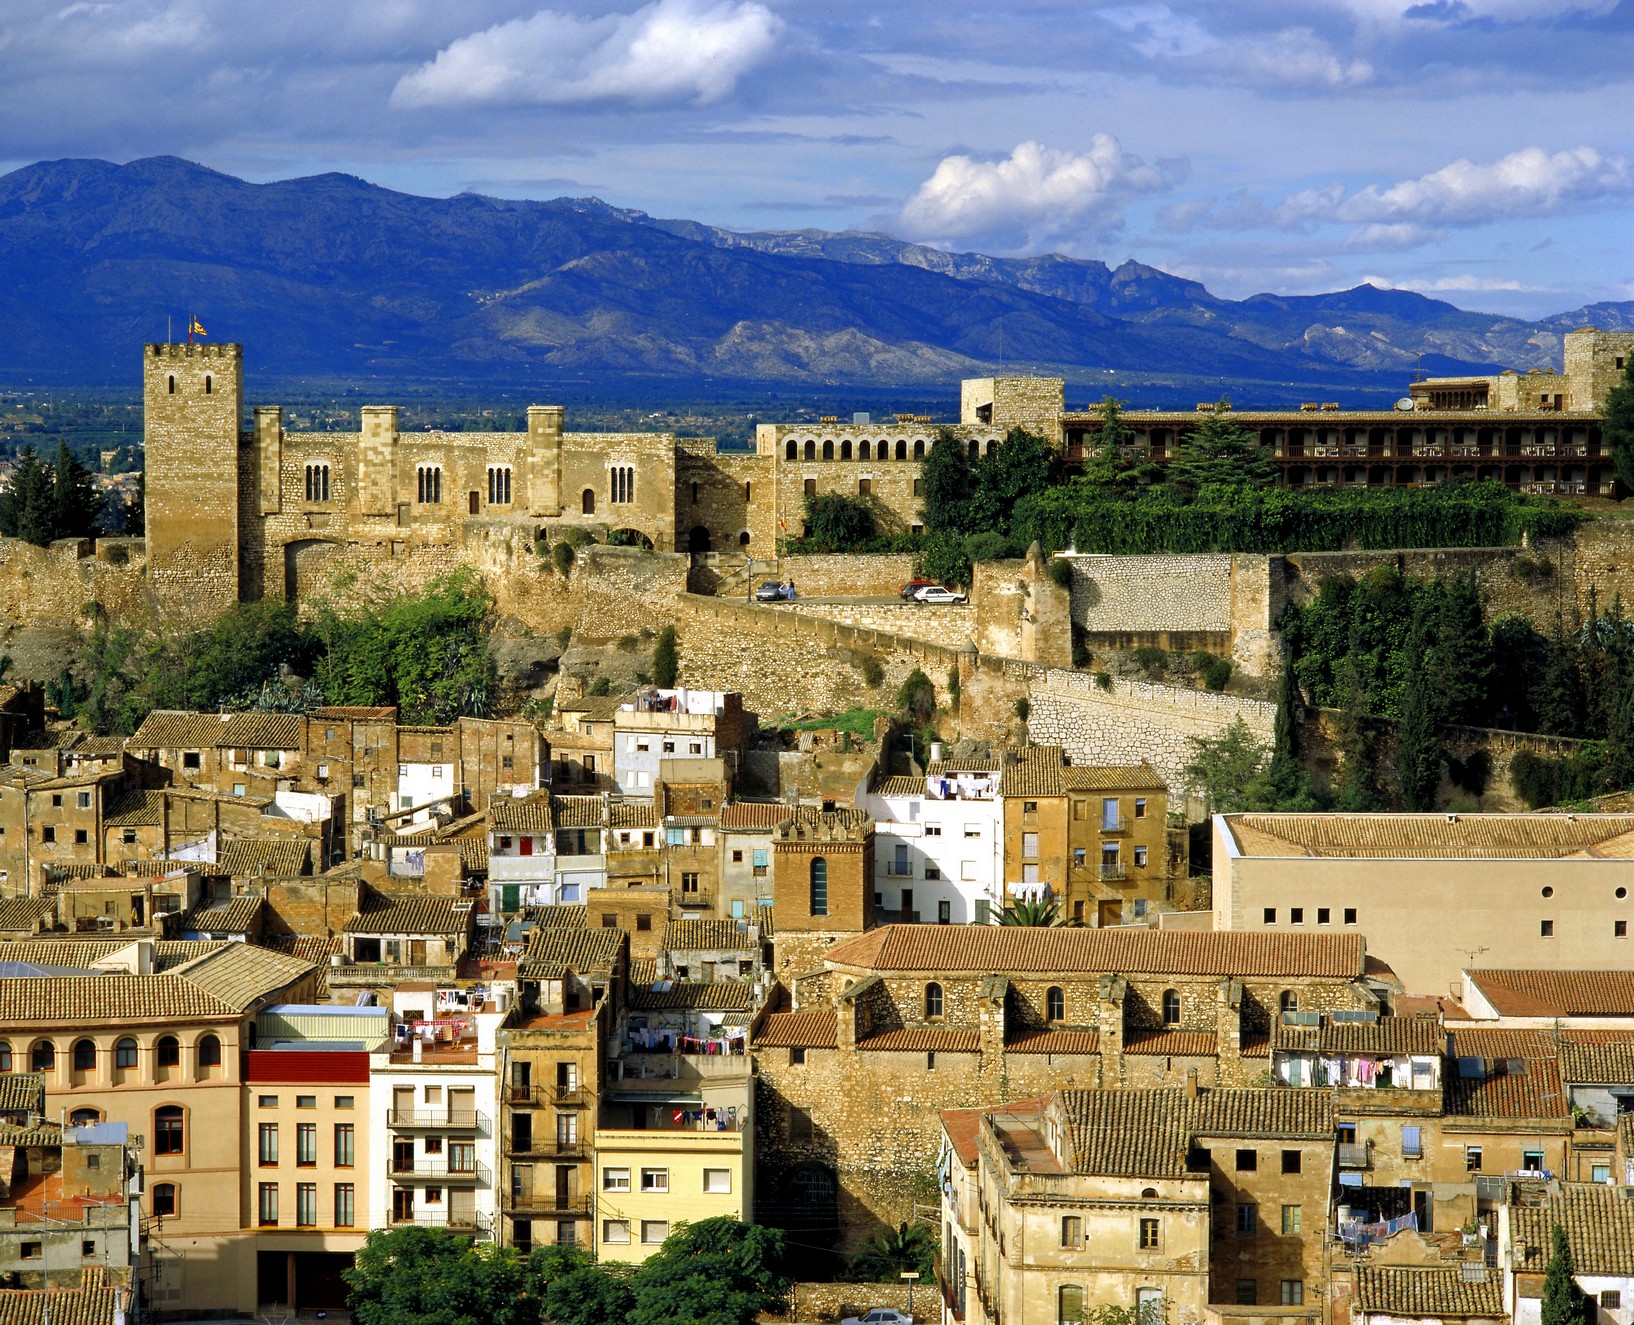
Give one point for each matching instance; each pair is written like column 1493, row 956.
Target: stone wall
column 943, row 623
column 1533, row 582
column 1175, row 593
column 829, row 1302
column 56, row 586
column 1021, row 612
column 824, row 576
column 1133, row 720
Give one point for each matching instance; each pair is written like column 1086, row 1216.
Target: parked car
column 912, row 587
column 880, row 1316
column 774, row 592
column 936, row 593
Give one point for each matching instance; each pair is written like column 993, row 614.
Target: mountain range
column 330, row 277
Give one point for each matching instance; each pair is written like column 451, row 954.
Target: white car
column 936, row 593
column 880, row 1316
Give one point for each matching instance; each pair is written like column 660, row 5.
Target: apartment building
column 655, row 725
column 1122, row 858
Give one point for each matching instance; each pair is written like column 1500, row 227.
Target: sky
column 1478, row 150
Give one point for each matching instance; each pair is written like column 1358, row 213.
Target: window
column 1248, row 1292
column 1546, row 929
column 797, row 1055
column 655, row 1180
column 1029, row 846
column 933, row 1000
column 1069, row 1305
column 819, row 886
column 84, row 1056
column 1619, row 929
column 306, row 1145
column 1072, row 1230
column 717, row 1180
column 209, row 1052
column 317, row 482
column 643, row 921
column 266, row 1204
column 1411, row 1143
column 973, row 830
column 1247, row 1161
column 1270, row 915
column 169, row 1133
column 1611, row 1299
column 5, row 1055
column 1350, row 915
column 1293, row 1292
column 1322, row 915
column 1140, row 857
column 31, row 1251
column 345, row 1146
column 1296, row 915
column 1472, row 1159
column 1291, row 1160
column 499, row 485
column 654, row 1231
column 615, row 1180
column 1171, row 1007
column 1290, row 1219
column 1055, row 1003
column 267, row 1143
column 430, row 484
column 164, row 1199
column 689, row 882
column 345, row 1205
column 1288, row 1001
column 1149, row 1239
column 306, row 1204
column 615, row 1231
column 930, row 1060
column 621, row 484
column 1248, row 1218
column 1110, row 820
column 43, row 1057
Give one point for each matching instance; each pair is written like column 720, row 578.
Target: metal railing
column 1353, row 1155
column 477, row 1171
column 545, row 1203
column 1114, row 873
column 462, row 1120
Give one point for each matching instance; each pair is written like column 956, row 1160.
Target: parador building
column 238, row 512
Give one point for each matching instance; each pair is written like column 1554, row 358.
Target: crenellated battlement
column 202, row 350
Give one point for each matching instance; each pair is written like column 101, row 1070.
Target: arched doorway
column 698, row 540
column 307, row 566
column 587, row 503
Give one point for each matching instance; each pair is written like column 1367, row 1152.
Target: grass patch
column 858, row 723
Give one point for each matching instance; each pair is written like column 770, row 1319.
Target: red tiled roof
column 817, row 1029
column 925, row 1038
column 1055, row 1042
column 1558, row 993
column 1016, row 948
column 1186, row 1044
column 963, row 1125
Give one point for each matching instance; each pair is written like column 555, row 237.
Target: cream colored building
column 1436, row 893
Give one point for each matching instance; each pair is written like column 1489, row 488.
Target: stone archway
column 698, row 540
column 307, row 566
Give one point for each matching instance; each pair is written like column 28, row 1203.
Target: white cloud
column 1282, row 58
column 1031, row 198
column 669, row 51
column 1463, row 281
column 1530, row 182
column 1502, row 11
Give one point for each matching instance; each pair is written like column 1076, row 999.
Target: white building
column 544, row 850
column 676, row 724
column 1598, row 1221
column 433, row 1118
column 938, row 843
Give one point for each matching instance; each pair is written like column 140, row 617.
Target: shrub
column 1023, row 708
column 987, row 547
column 1201, row 659
column 627, row 643
column 953, row 686
column 562, row 556
column 838, row 523
column 601, row 686
column 873, row 675
column 1531, row 570
column 1217, row 674
column 1104, row 680
column 666, row 659
column 943, row 559
column 1149, row 658
column 917, row 697
column 1061, row 571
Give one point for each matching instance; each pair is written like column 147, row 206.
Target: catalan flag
column 194, row 329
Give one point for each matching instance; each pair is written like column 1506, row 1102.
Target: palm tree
column 1040, row 913
column 885, row 1256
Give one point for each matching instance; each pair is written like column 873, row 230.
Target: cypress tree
column 76, row 505
column 1418, row 755
column 1564, row 1303
column 666, row 660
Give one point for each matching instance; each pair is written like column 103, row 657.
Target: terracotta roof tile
column 1184, row 1044
column 524, row 814
column 1516, row 993
column 579, row 811
column 718, row 995
column 559, row 915
column 68, row 1306
column 1389, row 1035
column 814, row 1029
column 1604, row 1064
column 1426, row 836
column 1003, row 949
column 752, row 815
column 551, row 952
column 631, row 814
column 244, row 857
column 1598, row 1221
column 900, row 785
column 1128, row 1133
column 925, row 1038
column 22, row 1092
column 1302, row 1114
column 707, row 935
column 1438, row 1291
column 172, row 729
column 240, row 974
column 1038, row 771
column 238, row 915
column 1520, row 1076
column 136, row 807
column 1113, row 777
column 19, row 915
column 1055, row 1042
column 407, row 913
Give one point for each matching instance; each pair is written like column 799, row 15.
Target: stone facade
column 952, row 626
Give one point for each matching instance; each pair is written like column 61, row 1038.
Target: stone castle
column 237, row 514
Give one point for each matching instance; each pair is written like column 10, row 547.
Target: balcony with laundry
column 1360, row 1054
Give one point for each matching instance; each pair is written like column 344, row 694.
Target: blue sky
column 1482, row 150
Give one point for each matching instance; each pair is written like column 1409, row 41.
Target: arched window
column 1069, row 1305
column 828, row 448
column 862, row 450
column 743, row 539
column 933, row 1000
column 499, row 485
column 85, row 1117
column 587, row 503
column 124, row 1053
column 1289, row 1002
column 209, row 1052
column 169, row 1051
column 1055, row 1004
column 1171, row 1008
column 919, row 449
column 164, row 1199
column 1148, row 1193
column 811, row 449
column 42, row 1057
column 5, row 1055
column 169, row 1131
column 819, row 886
column 975, row 449
column 901, row 449
column 84, row 1056
column 845, row 449
column 429, row 489
column 621, row 484
column 207, row 384
column 172, row 384
column 792, row 450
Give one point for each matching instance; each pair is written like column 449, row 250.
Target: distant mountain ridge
column 330, row 276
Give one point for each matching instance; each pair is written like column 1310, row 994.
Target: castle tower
column 545, row 460
column 192, row 396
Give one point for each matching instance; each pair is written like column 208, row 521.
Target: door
column 521, row 1133
column 402, row 1104
column 521, row 1079
column 522, row 1184
column 567, row 1078
column 402, row 1205
column 402, row 1155
column 524, row 845
column 907, row 906
column 564, row 1178
column 1108, row 913
column 462, row 1207
column 473, row 503
column 709, row 973
column 510, row 896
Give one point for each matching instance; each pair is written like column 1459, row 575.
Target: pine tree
column 1564, row 1303
column 1418, row 755
column 27, row 508
column 1557, row 698
column 1219, row 453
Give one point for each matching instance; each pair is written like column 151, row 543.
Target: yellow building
column 667, row 1156
column 1119, row 863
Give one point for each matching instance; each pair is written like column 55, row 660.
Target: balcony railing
column 517, row 1093
column 476, row 1172
column 461, row 1120
column 545, row 1203
column 1114, row 873
column 548, row 1147
column 459, row 1222
column 1114, row 824
column 1353, row 1155
column 570, row 1097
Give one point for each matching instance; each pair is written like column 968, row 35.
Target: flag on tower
column 194, row 329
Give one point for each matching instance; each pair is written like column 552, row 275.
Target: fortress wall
column 947, row 624
column 1151, row 593
column 880, row 575
column 56, row 586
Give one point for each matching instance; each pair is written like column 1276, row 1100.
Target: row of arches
column 1055, row 997
column 829, row 449
column 83, row 1054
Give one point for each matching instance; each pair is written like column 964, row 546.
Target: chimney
column 1191, row 1083
column 143, row 957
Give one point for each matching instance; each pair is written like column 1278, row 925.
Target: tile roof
column 1534, row 1092
column 707, row 935
column 925, row 1038
column 22, row 1092
column 19, row 915
column 525, row 814
column 718, row 995
column 240, row 974
column 1004, row 949
column 1598, row 1221
column 1439, row 1291
column 900, row 785
column 559, row 915
column 407, row 913
column 246, row 856
column 751, row 815
column 173, row 729
column 1113, row 777
column 74, row 1000
column 1608, row 1064
column 1185, row 1044
column 1128, row 1133
column 238, row 915
column 1303, row 1114
column 1389, row 1035
column 952, row 764
column 814, row 1029
column 634, row 814
column 1519, row 993
column 355, row 711
column 578, row 811
column 553, row 952
column 136, row 807
column 1428, row 836
column 68, row 1306
column 1039, row 770
column 1054, row 1042
column 643, row 971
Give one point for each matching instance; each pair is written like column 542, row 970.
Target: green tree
column 1225, row 770
column 1617, row 429
column 1104, row 464
column 1458, row 655
column 943, row 558
column 917, row 697
column 666, row 660
column 885, row 1257
column 427, row 1276
column 28, row 506
column 1358, row 789
column 1564, row 1303
column 716, row 1272
column 1418, row 752
column 1021, row 464
column 133, row 515
column 946, row 481
column 76, row 505
column 1219, row 453
column 571, row 1288
column 837, row 523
